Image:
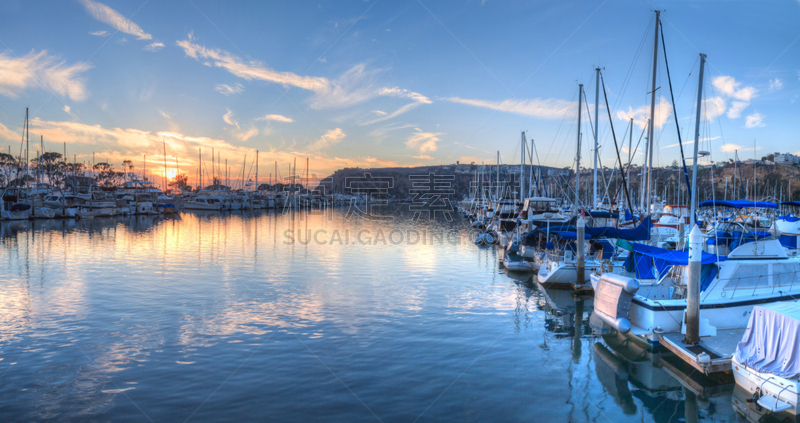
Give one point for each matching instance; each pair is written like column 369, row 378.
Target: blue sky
column 384, row 83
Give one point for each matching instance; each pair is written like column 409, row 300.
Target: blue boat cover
column 791, row 203
column 672, row 257
column 639, row 233
column 789, row 241
column 570, row 234
column 601, row 214
column 738, row 204
column 644, row 259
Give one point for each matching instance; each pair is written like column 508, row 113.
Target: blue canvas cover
column 628, row 215
column 639, row 233
column 738, row 204
column 672, row 257
column 569, row 234
column 644, row 258
column 771, row 342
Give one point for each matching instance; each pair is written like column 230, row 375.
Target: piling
column 681, row 235
column 580, row 243
column 693, row 287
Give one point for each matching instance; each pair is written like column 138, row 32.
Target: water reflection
column 101, row 318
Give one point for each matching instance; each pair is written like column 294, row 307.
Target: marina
column 399, row 211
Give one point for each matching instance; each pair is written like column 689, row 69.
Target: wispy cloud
column 228, row 118
column 7, row 134
column 154, row 47
column 43, row 71
column 109, row 16
column 730, row 148
column 164, row 114
column 424, row 141
column 538, row 108
column 228, row 90
column 332, row 137
column 714, row 107
column 276, row 118
column 100, row 33
column 423, row 157
column 641, row 114
column 690, row 142
column 418, row 98
column 775, row 84
column 252, row 69
column 754, row 121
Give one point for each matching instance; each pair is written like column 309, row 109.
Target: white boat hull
column 777, row 394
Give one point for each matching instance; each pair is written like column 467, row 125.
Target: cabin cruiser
column 11, row 207
column 753, row 273
column 103, row 202
column 203, row 202
column 668, row 225
column 64, row 205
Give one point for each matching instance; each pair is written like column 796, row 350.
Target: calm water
column 220, row 317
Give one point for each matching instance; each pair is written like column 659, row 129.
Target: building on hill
column 786, row 159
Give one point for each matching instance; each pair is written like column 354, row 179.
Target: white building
column 786, row 158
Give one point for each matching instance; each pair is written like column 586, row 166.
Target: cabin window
column 748, row 276
column 783, row 274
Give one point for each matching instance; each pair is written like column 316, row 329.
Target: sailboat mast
column 697, row 140
column 596, row 130
column 522, row 167
column 652, row 114
column 578, row 154
column 497, row 189
column 256, row 171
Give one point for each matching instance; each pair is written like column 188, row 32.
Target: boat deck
column 720, row 349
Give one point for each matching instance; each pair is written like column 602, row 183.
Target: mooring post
column 681, row 235
column 693, row 294
column 580, row 243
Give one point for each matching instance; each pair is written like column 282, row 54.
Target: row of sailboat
column 658, row 269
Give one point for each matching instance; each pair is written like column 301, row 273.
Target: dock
column 719, row 349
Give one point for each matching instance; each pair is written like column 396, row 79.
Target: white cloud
column 352, row 87
column 424, row 141
column 379, row 112
column 7, row 134
column 100, row 33
column 737, row 107
column 228, row 90
column 42, row 71
column 730, row 87
column 111, row 17
column 641, row 114
column 400, row 92
column 66, row 109
column 423, row 157
column 244, row 136
column 276, row 118
column 332, row 137
column 775, row 84
column 228, row 118
column 730, row 148
column 755, row 120
column 252, row 70
column 714, row 107
column 164, row 114
column 154, row 47
column 690, row 142
column 544, row 109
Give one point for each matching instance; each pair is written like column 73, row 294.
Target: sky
column 391, row 83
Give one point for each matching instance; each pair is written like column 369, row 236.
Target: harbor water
column 309, row 316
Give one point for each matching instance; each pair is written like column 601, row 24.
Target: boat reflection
column 663, row 385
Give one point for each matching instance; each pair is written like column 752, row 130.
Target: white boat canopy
column 771, row 343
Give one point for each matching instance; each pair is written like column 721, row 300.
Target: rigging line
column 555, row 137
column 674, row 110
column 619, row 158
column 719, row 121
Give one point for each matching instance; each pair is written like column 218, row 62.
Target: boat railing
column 776, row 281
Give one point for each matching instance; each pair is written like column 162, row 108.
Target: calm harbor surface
column 226, row 316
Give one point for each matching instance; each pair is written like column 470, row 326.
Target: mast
column 256, row 171
column 578, row 154
column 164, row 143
column 522, row 167
column 497, row 188
column 27, row 143
column 652, row 115
column 596, row 130
column 697, row 140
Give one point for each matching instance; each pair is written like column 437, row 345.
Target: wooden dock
column 719, row 348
